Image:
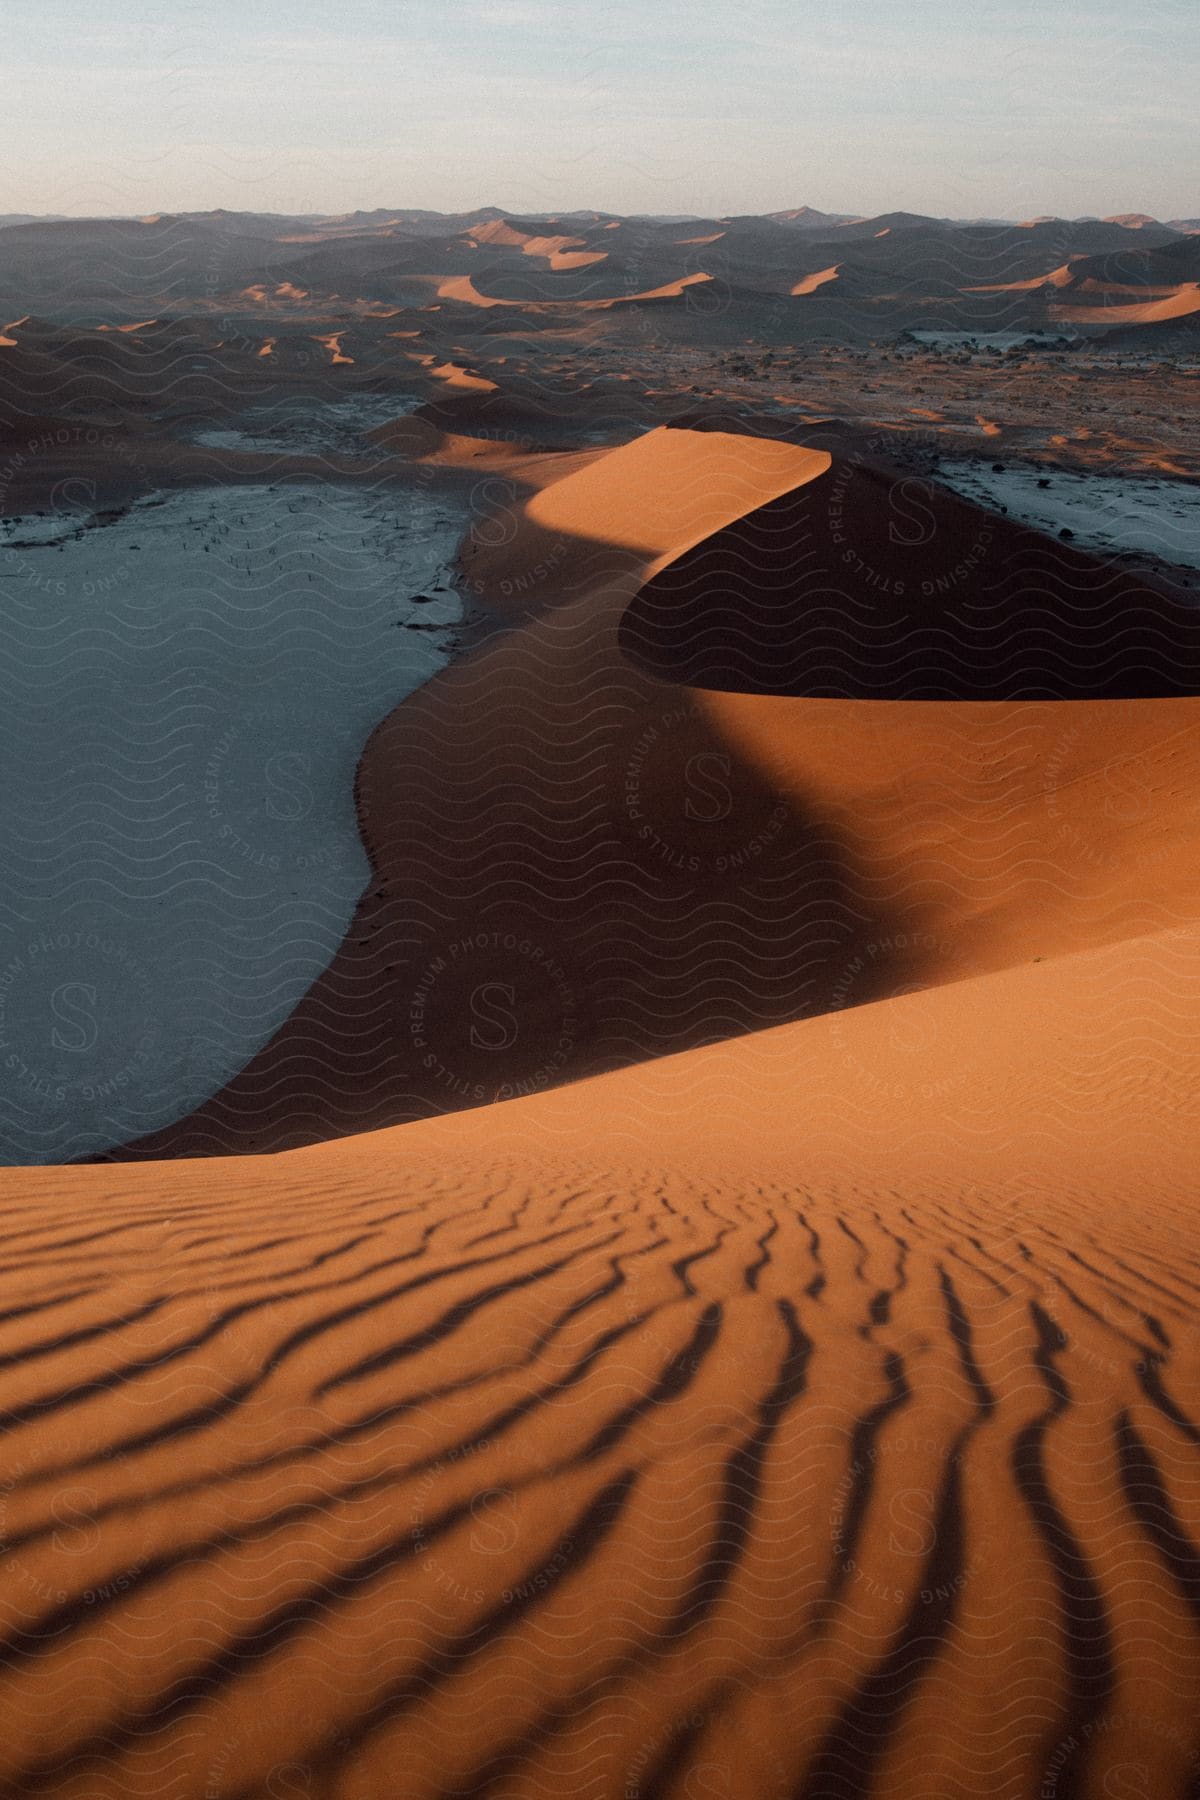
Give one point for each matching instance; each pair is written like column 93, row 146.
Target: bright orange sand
column 813, row 1414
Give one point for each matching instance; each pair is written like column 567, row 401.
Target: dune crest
column 1174, row 303
column 717, row 849
column 810, row 283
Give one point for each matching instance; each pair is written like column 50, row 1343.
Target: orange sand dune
column 455, row 376
column 333, row 343
column 126, row 329
column 462, row 288
column 560, row 252
column 693, row 866
column 667, row 490
column 1089, row 285
column 1176, row 304
column 498, row 231
column 815, row 1413
column 1060, row 277
column 810, row 283
column 572, row 259
column 563, row 252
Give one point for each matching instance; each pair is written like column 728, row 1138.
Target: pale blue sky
column 959, row 107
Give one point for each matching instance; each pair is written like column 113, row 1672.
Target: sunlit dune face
column 551, row 246
column 822, row 278
column 463, row 289
column 497, row 231
column 125, row 330
column 333, row 343
column 670, row 290
column 575, row 259
column 1144, row 291
column 1058, row 278
column 457, row 377
column 1176, row 303
column 665, row 491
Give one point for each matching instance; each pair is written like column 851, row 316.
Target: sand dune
column 558, row 1446
column 1175, row 303
column 764, row 1361
column 877, row 585
column 810, row 283
column 558, row 251
column 333, row 343
column 455, row 376
column 634, row 830
column 463, row 289
column 1060, row 277
column 893, row 267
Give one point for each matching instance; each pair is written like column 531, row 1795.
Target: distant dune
column 895, row 272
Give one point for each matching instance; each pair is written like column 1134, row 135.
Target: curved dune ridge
column 809, row 284
column 813, row 1415
column 462, row 288
column 623, row 828
column 874, row 585
column 809, row 1407
column 1171, row 303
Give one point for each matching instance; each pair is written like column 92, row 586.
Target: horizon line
column 837, row 216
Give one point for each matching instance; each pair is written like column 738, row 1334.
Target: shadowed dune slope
column 578, row 864
column 865, row 584
column 814, row 1414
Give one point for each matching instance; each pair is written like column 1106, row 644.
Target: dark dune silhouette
column 879, row 585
